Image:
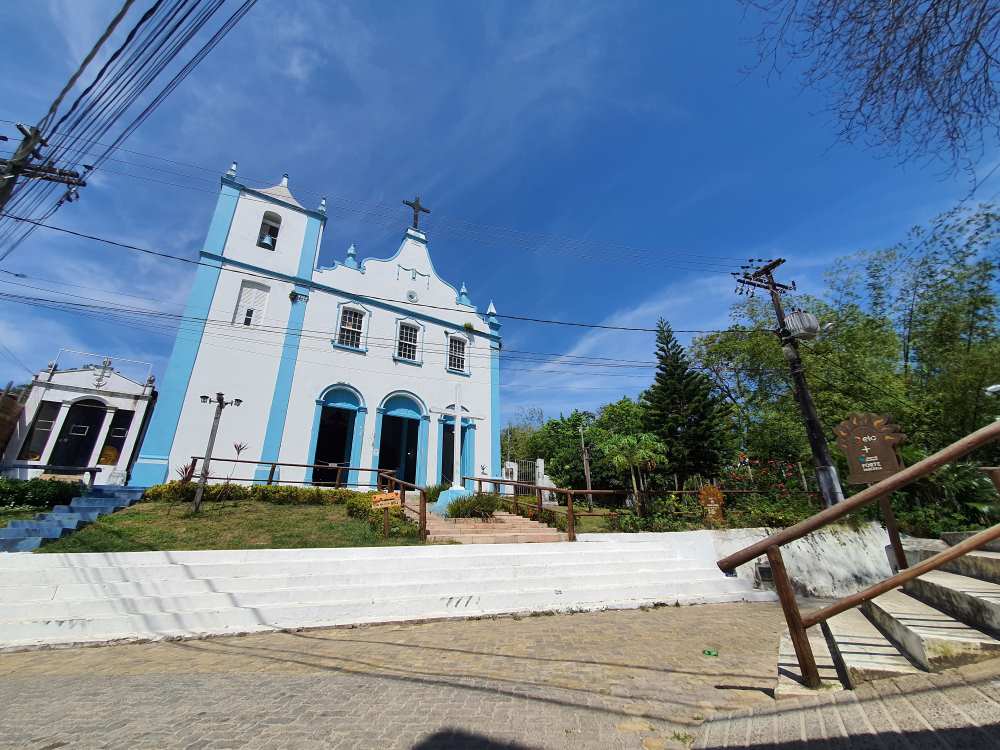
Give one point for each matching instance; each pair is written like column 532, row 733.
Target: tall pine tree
column 683, row 410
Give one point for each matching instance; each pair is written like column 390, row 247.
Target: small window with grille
column 350, row 328
column 406, row 347
column 456, row 354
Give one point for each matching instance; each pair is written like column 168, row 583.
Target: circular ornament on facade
column 412, row 296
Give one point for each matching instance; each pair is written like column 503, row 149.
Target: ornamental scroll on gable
column 869, row 441
column 412, row 274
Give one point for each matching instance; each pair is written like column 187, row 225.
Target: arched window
column 269, row 228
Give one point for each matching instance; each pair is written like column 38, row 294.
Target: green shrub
column 359, row 505
column 474, row 506
column 184, row 492
column 434, row 491
column 751, row 511
column 37, row 493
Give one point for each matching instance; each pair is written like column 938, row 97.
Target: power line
column 14, row 358
column 507, row 316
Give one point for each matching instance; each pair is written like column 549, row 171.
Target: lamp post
column 220, row 404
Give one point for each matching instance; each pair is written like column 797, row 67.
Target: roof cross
column 417, row 210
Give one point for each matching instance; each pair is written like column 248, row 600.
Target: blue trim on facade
column 310, row 247
column 463, row 373
column 274, row 432
column 159, row 438
column 359, row 432
column 421, row 476
column 335, row 345
column 314, row 438
column 377, row 446
column 312, row 213
column 358, row 298
column 495, row 411
column 469, row 454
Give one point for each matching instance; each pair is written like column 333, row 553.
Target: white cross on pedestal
column 458, row 415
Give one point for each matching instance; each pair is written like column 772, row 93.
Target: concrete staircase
column 943, row 619
column 503, row 528
column 28, row 534
column 48, row 600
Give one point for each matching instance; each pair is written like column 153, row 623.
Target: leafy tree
column 914, row 76
column 638, row 453
column 683, row 409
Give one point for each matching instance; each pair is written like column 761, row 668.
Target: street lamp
column 220, row 404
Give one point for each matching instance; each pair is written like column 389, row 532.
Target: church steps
column 679, row 583
column 978, row 564
column 68, row 592
column 114, row 574
column 90, row 598
column 235, row 620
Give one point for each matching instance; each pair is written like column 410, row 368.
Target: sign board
column 869, row 441
column 386, row 500
column 711, row 500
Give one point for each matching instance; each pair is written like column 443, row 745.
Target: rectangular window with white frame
column 456, row 353
column 351, row 328
column 407, row 342
column 251, row 304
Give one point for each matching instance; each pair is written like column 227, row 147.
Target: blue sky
column 599, row 162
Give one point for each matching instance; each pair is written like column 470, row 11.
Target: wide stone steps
column 502, row 528
column 26, row 535
column 943, row 619
column 65, row 599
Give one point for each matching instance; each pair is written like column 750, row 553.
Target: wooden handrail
column 771, row 546
column 390, row 476
column 910, row 474
column 91, row 470
column 301, row 466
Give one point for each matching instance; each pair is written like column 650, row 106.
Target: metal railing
column 91, row 470
column 771, row 546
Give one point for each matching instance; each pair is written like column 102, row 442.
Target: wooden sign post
column 711, row 501
column 385, row 501
column 869, row 441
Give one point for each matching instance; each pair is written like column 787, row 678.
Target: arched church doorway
column 340, row 420
column 399, row 443
column 78, row 435
column 446, row 448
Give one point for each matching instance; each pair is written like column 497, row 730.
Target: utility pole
column 826, row 472
column 585, row 452
column 20, row 165
column 220, row 404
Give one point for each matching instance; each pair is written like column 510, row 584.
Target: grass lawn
column 591, row 524
column 247, row 525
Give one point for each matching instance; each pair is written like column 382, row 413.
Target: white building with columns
column 83, row 416
column 354, row 364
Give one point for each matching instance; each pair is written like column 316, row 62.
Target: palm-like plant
column 637, row 452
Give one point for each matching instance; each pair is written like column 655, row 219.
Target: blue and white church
column 360, row 364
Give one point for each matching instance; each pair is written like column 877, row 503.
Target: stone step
column 978, row 564
column 515, row 538
column 951, row 538
column 508, row 556
column 970, row 600
column 20, row 544
column 932, row 639
column 456, row 576
column 68, row 520
column 88, row 515
column 790, row 681
column 685, row 582
column 235, row 620
column 863, row 652
column 43, row 530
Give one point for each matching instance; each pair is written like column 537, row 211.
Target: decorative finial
column 352, row 261
column 463, row 296
column 491, row 317
column 232, row 170
column 284, row 180
column 322, row 205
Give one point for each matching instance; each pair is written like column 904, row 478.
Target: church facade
column 356, row 366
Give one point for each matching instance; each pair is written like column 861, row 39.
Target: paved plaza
column 626, row 679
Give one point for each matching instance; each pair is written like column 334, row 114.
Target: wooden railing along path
column 771, row 546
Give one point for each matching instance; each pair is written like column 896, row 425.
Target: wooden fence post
column 800, row 639
column 570, row 521
column 270, row 474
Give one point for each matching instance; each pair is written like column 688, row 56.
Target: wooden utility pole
column 20, row 165
column 826, row 472
column 585, row 452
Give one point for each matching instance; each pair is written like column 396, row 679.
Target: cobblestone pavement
column 628, row 679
